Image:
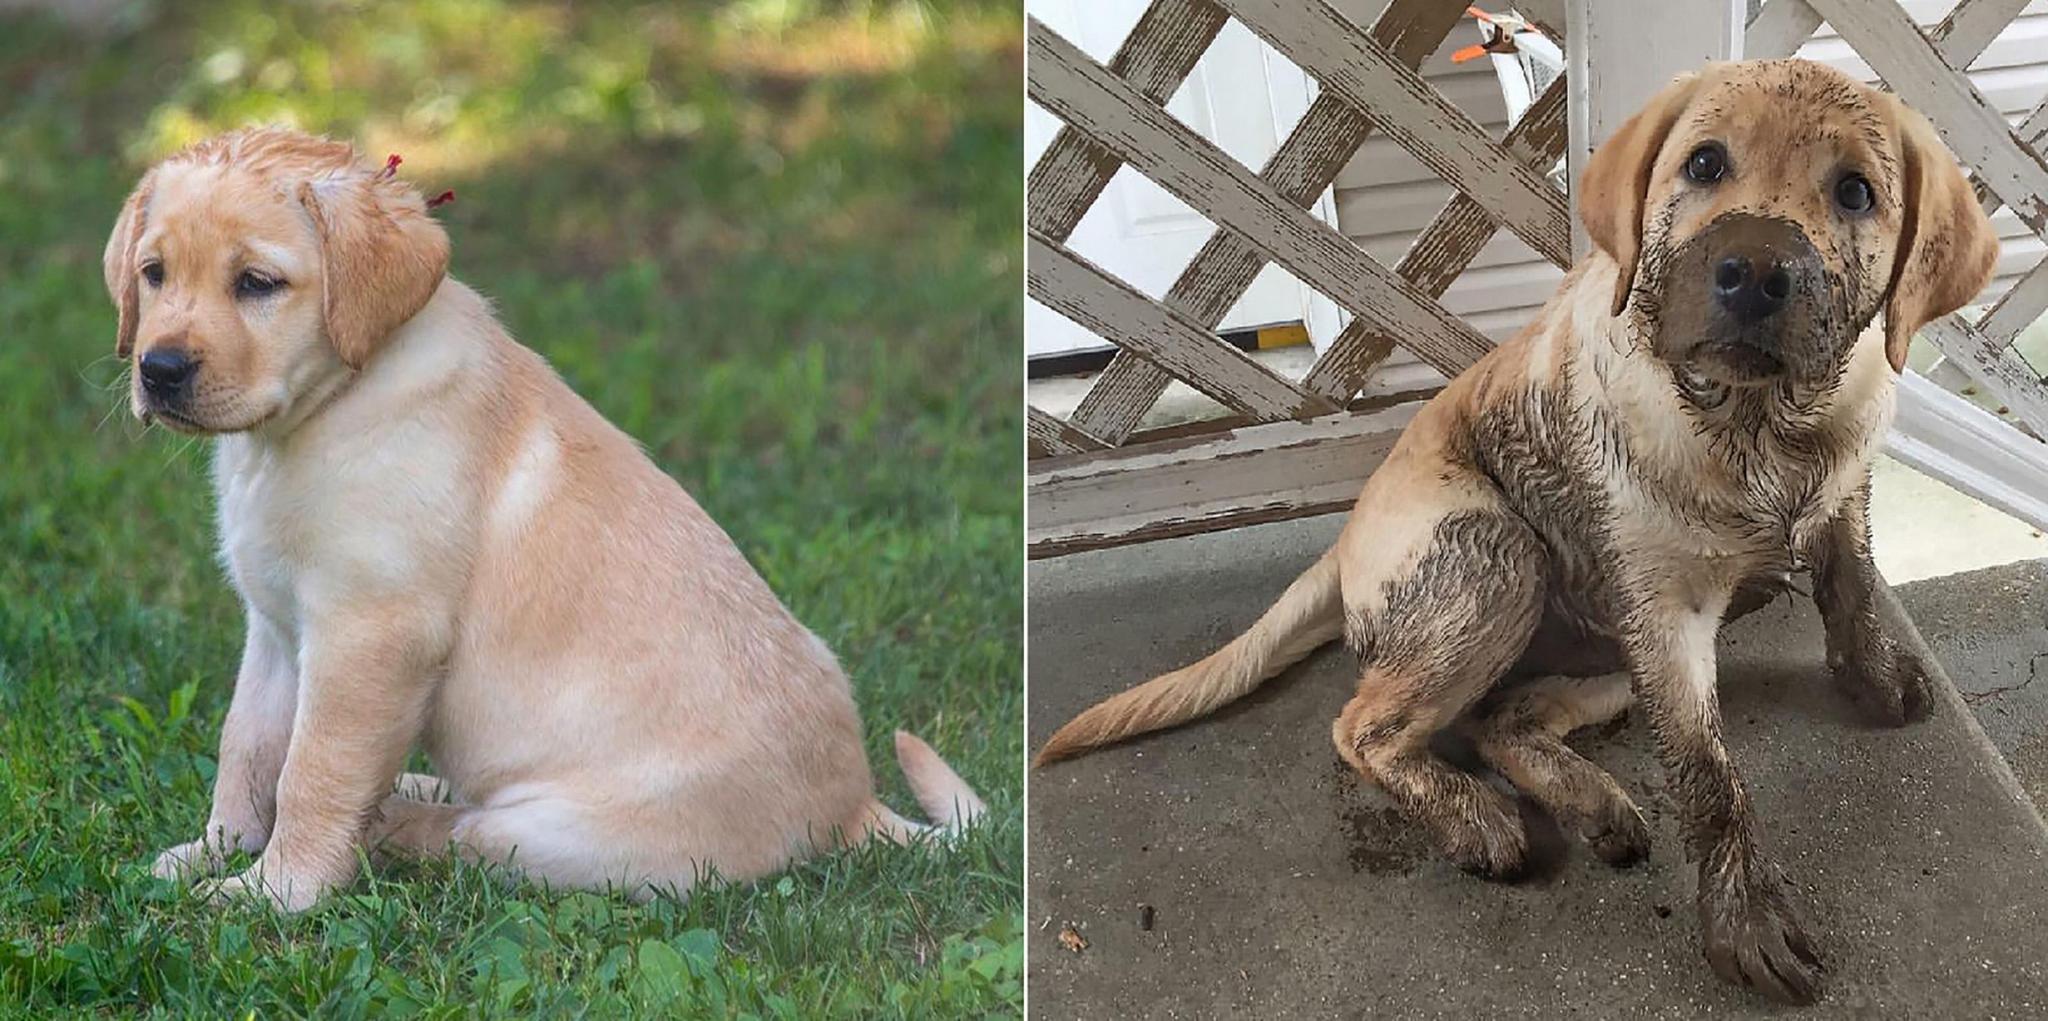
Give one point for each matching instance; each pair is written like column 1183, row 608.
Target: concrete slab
column 1281, row 886
column 1990, row 629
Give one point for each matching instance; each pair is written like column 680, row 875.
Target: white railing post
column 1617, row 53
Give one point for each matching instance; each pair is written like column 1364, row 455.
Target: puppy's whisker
column 112, row 410
column 178, row 450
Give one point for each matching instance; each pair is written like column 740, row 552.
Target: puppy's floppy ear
column 119, row 264
column 381, row 258
column 1616, row 183
column 1947, row 249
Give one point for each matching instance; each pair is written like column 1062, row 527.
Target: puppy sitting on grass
column 436, row 542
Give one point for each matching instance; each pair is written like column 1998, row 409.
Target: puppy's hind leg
column 1521, row 734
column 551, row 840
column 414, row 820
column 1437, row 635
column 408, row 827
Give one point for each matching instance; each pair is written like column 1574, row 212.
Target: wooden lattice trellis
column 1114, row 117
column 1301, row 446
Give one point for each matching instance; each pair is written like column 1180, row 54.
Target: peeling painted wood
column 1303, row 166
column 1245, row 476
column 1441, row 252
column 1997, row 368
column 1886, row 37
column 1082, row 92
column 1779, row 29
column 1970, row 27
column 1155, row 58
column 1048, row 436
column 1782, row 26
column 1411, row 111
column 1538, row 138
column 2023, row 303
column 1083, row 292
column 2031, row 133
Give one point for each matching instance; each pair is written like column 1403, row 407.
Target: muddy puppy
column 1691, row 418
column 438, row 544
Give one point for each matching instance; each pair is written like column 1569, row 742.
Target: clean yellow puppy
column 438, row 543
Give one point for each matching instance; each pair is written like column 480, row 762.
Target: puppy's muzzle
column 1742, row 298
column 1759, row 265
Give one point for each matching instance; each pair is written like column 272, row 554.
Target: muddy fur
column 1444, row 633
column 1519, row 731
column 1889, row 682
column 1663, row 448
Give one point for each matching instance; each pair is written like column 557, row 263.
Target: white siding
column 1384, row 197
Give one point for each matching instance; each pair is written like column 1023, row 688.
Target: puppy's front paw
column 1623, row 840
column 189, row 861
column 208, row 856
column 1486, row 840
column 1889, row 684
column 1753, row 940
column 285, row 893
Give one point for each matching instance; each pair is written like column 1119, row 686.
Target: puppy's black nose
column 1752, row 287
column 166, row 369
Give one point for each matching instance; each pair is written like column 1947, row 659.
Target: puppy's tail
column 945, row 797
column 1309, row 614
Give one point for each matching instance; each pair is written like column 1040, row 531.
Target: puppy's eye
column 1853, row 194
column 1707, row 163
column 252, row 284
column 153, row 273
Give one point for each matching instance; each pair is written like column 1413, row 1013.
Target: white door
column 1243, row 96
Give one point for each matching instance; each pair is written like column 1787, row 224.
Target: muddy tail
column 1309, row 614
column 945, row 797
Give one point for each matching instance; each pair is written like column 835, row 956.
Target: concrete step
column 1989, row 628
column 1282, row 886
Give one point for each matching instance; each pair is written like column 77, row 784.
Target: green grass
column 777, row 241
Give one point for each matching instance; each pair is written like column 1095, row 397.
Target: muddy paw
column 1753, row 940
column 1889, row 685
column 1622, row 840
column 1489, row 842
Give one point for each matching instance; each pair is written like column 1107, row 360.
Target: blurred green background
column 775, row 240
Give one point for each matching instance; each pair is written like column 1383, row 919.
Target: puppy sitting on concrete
column 1692, row 417
column 437, row 543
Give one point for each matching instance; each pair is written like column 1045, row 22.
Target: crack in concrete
column 2033, row 672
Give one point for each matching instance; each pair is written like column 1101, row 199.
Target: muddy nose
column 1752, row 286
column 166, row 369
